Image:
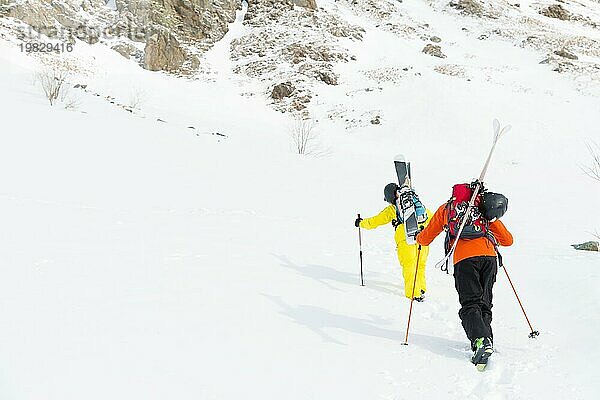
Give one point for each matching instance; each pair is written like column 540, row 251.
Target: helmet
column 493, row 205
column 389, row 193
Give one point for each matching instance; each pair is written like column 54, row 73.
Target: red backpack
column 476, row 225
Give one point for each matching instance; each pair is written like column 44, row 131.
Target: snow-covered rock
column 270, row 54
column 190, row 27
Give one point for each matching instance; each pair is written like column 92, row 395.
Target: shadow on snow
column 324, row 275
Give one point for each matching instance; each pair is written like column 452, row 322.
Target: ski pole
column 533, row 333
column 412, row 298
column 362, row 282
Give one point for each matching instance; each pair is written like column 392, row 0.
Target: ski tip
column 400, row 158
column 481, row 367
column 496, row 125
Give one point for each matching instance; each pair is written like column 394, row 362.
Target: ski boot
column 421, row 298
column 482, row 350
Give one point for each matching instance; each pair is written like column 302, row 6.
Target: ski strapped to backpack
column 476, row 225
column 409, row 209
column 410, row 199
column 498, row 133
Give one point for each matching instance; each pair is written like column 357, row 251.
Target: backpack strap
column 398, row 220
column 446, row 250
column 490, row 236
column 447, row 238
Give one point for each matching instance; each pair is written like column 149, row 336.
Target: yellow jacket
column 385, row 217
column 407, row 253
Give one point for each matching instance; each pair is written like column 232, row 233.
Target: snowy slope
column 144, row 259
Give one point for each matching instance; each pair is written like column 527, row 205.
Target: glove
column 357, row 222
column 419, row 230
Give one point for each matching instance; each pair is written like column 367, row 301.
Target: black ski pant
column 474, row 279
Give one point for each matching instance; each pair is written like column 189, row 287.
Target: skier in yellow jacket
column 407, row 253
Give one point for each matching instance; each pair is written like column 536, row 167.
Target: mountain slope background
column 162, row 238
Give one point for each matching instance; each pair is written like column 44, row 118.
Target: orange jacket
column 466, row 247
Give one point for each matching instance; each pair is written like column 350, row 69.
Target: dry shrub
column 137, row 98
column 53, row 80
column 305, row 139
column 593, row 169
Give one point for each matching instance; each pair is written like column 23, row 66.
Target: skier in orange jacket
column 475, row 268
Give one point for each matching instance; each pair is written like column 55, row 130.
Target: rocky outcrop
column 134, row 19
column 479, row 9
column 282, row 90
column 565, row 54
column 34, row 14
column 180, row 29
column 195, row 19
column 311, row 4
column 434, row 50
column 52, row 17
column 269, row 53
column 587, row 246
column 471, row 7
column 299, row 52
column 190, row 26
column 556, row 11
column 3, row 8
column 126, row 50
column 327, row 77
column 163, row 52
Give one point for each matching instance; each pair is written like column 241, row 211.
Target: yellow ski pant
column 407, row 253
column 407, row 256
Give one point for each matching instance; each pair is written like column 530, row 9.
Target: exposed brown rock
column 587, row 246
column 311, row 4
column 282, row 90
column 163, row 52
column 126, row 50
column 471, row 7
column 194, row 24
column 34, row 15
column 565, row 54
column 434, row 50
column 192, row 19
column 298, row 52
column 556, row 11
column 327, row 77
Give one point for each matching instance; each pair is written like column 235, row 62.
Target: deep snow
column 146, row 260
